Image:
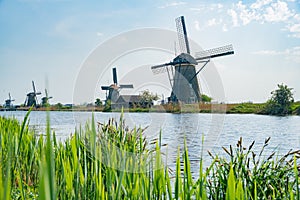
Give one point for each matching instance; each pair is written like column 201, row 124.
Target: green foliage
column 107, row 107
column 295, row 107
column 260, row 175
column 98, row 102
column 280, row 102
column 246, row 108
column 147, row 98
column 206, row 98
column 58, row 106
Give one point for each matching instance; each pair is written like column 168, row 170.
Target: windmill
column 113, row 89
column 182, row 72
column 45, row 100
column 8, row 102
column 31, row 99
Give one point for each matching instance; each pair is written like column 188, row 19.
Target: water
column 217, row 129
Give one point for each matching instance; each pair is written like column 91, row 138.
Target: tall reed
column 110, row 161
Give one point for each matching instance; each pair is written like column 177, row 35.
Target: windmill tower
column 182, row 70
column 8, row 102
column 45, row 100
column 113, row 89
column 31, row 98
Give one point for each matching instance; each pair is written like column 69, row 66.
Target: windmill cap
column 185, row 58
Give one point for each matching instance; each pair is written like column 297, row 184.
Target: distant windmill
column 45, row 100
column 182, row 70
column 8, row 102
column 31, row 99
column 113, row 89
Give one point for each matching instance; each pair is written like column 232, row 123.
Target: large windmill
column 31, row 98
column 8, row 102
column 45, row 99
column 113, row 89
column 182, row 70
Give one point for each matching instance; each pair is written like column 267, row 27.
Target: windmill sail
column 115, row 79
column 216, row 52
column 182, row 35
column 33, row 86
column 126, row 86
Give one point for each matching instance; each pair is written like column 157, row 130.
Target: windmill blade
column 46, row 93
column 9, row 96
column 128, row 86
column 115, row 76
column 105, row 87
column 50, row 97
column 33, row 86
column 157, row 69
column 182, row 35
column 38, row 93
column 213, row 53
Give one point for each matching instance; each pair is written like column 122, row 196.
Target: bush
column 280, row 102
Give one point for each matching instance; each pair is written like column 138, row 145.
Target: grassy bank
column 234, row 108
column 108, row 161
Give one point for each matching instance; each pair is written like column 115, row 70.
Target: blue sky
column 48, row 41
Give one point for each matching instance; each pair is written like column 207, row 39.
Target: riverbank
column 231, row 108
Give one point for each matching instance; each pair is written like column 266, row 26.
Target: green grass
column 296, row 108
column 246, row 108
column 109, row 161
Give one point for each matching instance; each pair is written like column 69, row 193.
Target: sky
column 53, row 42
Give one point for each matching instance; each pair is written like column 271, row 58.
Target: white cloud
column 208, row 7
column 224, row 28
column 217, row 6
column 278, row 12
column 289, row 54
column 173, row 4
column 233, row 16
column 295, row 30
column 246, row 15
column 294, row 27
column 214, row 22
column 268, row 52
column 297, row 17
column 263, row 11
column 197, row 25
column 198, row 9
column 260, row 3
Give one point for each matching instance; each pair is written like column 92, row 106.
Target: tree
column 98, row 102
column 147, row 98
column 58, row 106
column 281, row 101
column 205, row 98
